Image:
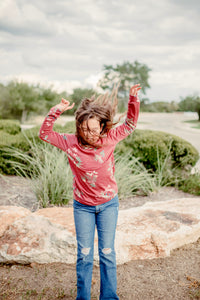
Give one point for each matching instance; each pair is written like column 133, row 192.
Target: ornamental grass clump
column 48, row 168
column 51, row 177
column 132, row 177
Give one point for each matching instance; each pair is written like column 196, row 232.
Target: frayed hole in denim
column 106, row 250
column 85, row 251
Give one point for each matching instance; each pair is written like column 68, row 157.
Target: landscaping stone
column 144, row 232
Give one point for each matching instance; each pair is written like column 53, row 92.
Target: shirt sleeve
column 122, row 131
column 47, row 134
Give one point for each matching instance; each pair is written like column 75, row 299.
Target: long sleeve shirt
column 93, row 168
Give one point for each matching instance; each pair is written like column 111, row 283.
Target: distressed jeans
column 104, row 217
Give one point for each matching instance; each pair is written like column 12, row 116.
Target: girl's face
column 91, row 130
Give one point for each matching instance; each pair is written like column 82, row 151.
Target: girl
column 90, row 154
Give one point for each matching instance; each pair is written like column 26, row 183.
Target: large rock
column 8, row 214
column 48, row 235
column 156, row 228
column 34, row 238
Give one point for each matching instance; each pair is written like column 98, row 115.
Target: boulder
column 8, row 214
column 34, row 238
column 144, row 232
column 156, row 228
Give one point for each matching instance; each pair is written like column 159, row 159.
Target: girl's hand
column 134, row 90
column 64, row 105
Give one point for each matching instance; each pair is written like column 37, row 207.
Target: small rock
column 14, row 267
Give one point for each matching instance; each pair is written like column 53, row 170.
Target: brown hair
column 103, row 108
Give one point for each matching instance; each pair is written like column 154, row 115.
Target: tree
column 78, row 95
column 18, row 100
column 190, row 103
column 49, row 97
column 128, row 74
column 4, row 95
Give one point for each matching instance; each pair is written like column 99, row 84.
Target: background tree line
column 20, row 100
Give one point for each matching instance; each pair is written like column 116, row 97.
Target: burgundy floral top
column 93, row 168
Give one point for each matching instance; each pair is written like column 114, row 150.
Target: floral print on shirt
column 72, row 154
column 108, row 193
column 99, row 157
column 111, row 169
column 131, row 126
column 90, row 177
column 77, row 192
column 46, row 138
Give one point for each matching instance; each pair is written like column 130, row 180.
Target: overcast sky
column 66, row 43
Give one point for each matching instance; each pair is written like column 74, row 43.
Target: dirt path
column 175, row 277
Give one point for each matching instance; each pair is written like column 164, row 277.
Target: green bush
column 18, row 141
column 7, row 140
column 160, row 106
column 21, row 142
column 191, row 184
column 148, row 144
column 10, row 126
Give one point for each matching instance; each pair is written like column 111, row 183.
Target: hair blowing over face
column 103, row 109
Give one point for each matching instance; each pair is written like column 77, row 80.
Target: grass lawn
column 196, row 123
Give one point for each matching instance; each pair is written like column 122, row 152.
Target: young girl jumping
column 90, row 154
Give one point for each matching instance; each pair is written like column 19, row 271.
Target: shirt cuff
column 133, row 98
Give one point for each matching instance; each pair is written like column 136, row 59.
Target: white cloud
column 67, row 45
column 24, row 19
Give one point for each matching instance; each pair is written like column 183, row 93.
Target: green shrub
column 7, row 140
column 191, row 184
column 146, row 144
column 10, row 126
column 18, row 141
column 21, row 142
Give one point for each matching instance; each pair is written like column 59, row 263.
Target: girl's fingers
column 134, row 89
column 70, row 107
column 136, row 86
column 64, row 101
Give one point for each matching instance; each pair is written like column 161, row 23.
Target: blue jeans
column 104, row 216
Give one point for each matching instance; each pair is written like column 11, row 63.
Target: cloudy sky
column 66, row 43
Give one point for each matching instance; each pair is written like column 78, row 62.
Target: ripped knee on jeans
column 106, row 250
column 85, row 251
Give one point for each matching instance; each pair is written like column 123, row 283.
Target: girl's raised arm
column 46, row 131
column 122, row 131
